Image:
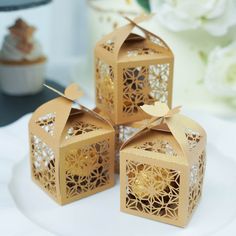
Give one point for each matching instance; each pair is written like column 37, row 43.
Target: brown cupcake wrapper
column 23, row 62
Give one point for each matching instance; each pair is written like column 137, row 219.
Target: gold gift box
column 122, row 134
column 162, row 167
column 71, row 149
column 133, row 67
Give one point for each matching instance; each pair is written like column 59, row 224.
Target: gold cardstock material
column 133, row 67
column 123, row 133
column 71, row 148
column 162, row 167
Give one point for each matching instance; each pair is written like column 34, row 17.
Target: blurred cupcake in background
column 22, row 63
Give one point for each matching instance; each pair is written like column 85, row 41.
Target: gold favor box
column 122, row 134
column 162, row 168
column 133, row 67
column 71, row 149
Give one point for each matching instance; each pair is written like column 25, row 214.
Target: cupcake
column 22, row 63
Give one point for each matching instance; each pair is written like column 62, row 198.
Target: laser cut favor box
column 71, row 149
column 122, row 134
column 162, row 167
column 133, row 67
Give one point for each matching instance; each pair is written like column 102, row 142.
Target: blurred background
column 201, row 34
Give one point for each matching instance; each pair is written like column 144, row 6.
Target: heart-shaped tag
column 160, row 109
column 73, row 92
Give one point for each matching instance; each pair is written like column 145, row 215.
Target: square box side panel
column 87, row 167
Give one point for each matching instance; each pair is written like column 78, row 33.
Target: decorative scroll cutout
column 109, row 45
column 144, row 85
column 105, row 85
column 193, row 138
column 156, row 41
column 47, row 122
column 141, row 52
column 159, row 146
column 195, row 189
column 80, row 127
column 87, row 168
column 152, row 189
column 43, row 165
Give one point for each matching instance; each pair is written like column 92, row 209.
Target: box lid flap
column 53, row 115
column 186, row 132
column 131, row 32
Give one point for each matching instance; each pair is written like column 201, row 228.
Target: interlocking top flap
column 53, row 115
column 169, row 120
column 113, row 42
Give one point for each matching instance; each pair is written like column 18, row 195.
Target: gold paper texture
column 122, row 134
column 132, row 69
column 71, row 148
column 162, row 167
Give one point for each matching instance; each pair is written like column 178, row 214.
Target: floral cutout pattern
column 193, row 138
column 159, row 146
column 152, row 190
column 109, row 45
column 87, row 168
column 144, row 85
column 136, row 89
column 141, row 52
column 105, row 85
column 158, row 81
column 195, row 188
column 47, row 122
column 43, row 165
column 80, row 127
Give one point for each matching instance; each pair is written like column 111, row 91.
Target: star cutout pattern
column 151, row 189
column 43, row 165
column 87, row 168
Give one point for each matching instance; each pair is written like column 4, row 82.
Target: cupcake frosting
column 20, row 44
